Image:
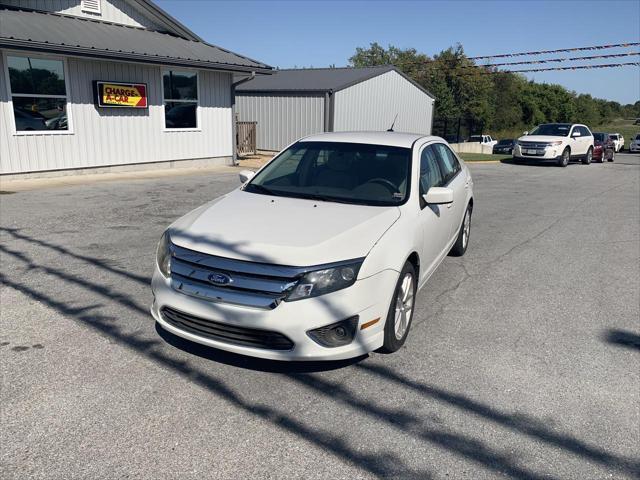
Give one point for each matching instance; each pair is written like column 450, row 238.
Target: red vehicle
column 603, row 147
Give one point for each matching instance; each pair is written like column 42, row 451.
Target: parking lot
column 522, row 361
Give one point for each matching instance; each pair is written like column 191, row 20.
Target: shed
column 293, row 103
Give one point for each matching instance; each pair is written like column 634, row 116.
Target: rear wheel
column 613, row 156
column 396, row 328
column 586, row 160
column 563, row 161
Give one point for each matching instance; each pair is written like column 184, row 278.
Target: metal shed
column 293, row 103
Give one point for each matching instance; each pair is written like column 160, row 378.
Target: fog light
column 335, row 335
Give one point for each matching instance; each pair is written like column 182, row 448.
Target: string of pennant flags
column 560, row 50
column 574, row 67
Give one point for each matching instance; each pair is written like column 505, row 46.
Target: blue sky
column 311, row 33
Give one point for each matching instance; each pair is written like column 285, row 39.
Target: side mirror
column 438, row 196
column 575, row 134
column 246, row 175
column 525, row 133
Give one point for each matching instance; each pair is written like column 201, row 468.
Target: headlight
column 554, row 144
column 163, row 255
column 327, row 280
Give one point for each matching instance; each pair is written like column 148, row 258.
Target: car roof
column 393, row 139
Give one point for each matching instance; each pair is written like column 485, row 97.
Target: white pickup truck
column 482, row 139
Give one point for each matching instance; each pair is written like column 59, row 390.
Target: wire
column 541, row 52
column 561, row 59
column 575, row 67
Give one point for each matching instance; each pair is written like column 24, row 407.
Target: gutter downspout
column 328, row 111
column 234, row 115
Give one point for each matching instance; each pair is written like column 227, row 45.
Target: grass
column 482, row 157
column 621, row 125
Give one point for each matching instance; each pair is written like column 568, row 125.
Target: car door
column 434, row 219
column 587, row 138
column 454, row 178
column 576, row 142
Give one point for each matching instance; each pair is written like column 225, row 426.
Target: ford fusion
column 318, row 255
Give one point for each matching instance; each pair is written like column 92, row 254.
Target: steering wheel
column 387, row 183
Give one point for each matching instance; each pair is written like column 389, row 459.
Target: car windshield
column 552, row 129
column 614, row 136
column 599, row 137
column 475, row 138
column 508, row 141
column 638, row 137
column 338, row 172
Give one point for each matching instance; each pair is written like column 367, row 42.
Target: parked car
column 634, row 146
column 483, row 139
column 618, row 141
column 603, row 147
column 504, row 146
column 27, row 120
column 318, row 255
column 560, row 142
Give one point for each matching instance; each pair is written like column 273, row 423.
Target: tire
column 602, row 157
column 586, row 160
column 400, row 315
column 613, row 156
column 563, row 161
column 464, row 233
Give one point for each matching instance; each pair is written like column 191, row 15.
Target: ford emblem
column 218, row 278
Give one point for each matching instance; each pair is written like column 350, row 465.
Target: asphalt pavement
column 523, row 360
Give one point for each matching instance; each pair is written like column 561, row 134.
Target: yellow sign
column 114, row 94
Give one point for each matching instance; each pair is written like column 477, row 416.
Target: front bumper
column 634, row 148
column 548, row 153
column 368, row 298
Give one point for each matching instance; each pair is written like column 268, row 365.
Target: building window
column 38, row 93
column 180, row 95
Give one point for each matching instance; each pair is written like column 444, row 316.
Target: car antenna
column 394, row 122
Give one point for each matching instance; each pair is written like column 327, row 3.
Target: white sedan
column 319, row 255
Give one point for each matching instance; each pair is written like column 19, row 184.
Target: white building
column 293, row 103
column 102, row 83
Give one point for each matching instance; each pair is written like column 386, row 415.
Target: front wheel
column 613, row 156
column 462, row 241
column 586, row 160
column 396, row 328
column 563, row 161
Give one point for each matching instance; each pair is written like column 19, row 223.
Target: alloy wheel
column 404, row 306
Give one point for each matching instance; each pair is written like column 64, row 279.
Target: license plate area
column 531, row 152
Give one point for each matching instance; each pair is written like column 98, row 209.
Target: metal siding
column 373, row 104
column 116, row 11
column 281, row 118
column 103, row 137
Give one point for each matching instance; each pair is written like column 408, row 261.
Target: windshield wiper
column 254, row 188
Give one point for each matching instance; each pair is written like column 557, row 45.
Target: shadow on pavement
column 623, row 338
column 108, row 293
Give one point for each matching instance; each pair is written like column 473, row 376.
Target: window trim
column 198, row 127
column 67, row 96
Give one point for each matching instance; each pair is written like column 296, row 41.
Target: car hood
column 282, row 230
column 541, row 138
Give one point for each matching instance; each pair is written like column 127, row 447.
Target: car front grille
column 534, row 145
column 222, row 332
column 226, row 280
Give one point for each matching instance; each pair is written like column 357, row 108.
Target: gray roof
column 58, row 33
column 318, row 79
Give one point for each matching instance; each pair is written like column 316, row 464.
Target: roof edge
column 149, row 8
column 29, row 45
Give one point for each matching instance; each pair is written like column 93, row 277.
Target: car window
column 584, row 131
column 448, row 162
column 430, row 174
column 364, row 174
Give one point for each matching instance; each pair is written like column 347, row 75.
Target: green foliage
column 507, row 103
